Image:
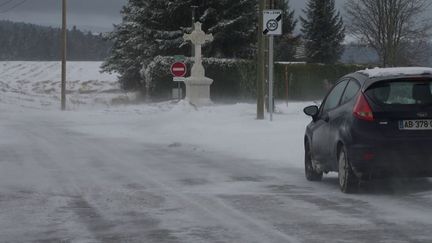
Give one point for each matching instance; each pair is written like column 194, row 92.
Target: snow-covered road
column 62, row 182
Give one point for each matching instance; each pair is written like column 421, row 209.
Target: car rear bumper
column 412, row 160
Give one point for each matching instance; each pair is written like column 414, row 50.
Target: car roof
column 395, row 72
column 368, row 77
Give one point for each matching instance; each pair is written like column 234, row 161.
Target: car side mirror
column 312, row 111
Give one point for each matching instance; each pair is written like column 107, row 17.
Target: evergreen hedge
column 308, row 81
column 235, row 79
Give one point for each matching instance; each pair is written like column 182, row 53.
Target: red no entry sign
column 178, row 69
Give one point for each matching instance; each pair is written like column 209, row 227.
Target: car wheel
column 310, row 172
column 348, row 181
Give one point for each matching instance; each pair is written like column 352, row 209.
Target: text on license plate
column 415, row 125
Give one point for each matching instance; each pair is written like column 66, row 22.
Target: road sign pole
column 270, row 77
column 178, row 90
column 272, row 26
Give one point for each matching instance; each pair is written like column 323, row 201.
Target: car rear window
column 401, row 92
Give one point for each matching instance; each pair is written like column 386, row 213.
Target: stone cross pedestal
column 198, row 85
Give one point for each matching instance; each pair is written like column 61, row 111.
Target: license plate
column 415, row 125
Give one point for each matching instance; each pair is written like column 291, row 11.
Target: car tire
column 348, row 181
column 310, row 172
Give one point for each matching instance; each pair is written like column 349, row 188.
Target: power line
column 14, row 6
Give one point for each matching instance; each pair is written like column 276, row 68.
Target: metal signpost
column 178, row 70
column 272, row 25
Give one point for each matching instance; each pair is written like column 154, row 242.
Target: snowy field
column 37, row 85
column 169, row 172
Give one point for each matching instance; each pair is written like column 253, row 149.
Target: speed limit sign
column 272, row 22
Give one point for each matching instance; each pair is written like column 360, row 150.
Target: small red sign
column 178, row 69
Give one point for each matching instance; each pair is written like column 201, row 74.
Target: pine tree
column 138, row 39
column 153, row 27
column 323, row 32
column 233, row 25
column 286, row 44
column 127, row 47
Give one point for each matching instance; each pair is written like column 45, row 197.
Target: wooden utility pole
column 260, row 63
column 64, row 50
column 270, row 67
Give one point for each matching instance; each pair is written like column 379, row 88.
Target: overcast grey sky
column 96, row 15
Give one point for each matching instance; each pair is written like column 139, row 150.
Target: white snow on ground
column 231, row 129
column 50, row 71
column 223, row 128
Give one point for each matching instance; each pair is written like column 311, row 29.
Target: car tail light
column 362, row 109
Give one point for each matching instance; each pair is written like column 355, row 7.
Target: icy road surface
column 63, row 179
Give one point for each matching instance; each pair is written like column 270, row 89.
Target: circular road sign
column 272, row 25
column 178, row 69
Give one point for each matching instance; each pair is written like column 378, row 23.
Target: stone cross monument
column 198, row 85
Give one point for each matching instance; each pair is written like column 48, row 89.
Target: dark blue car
column 372, row 123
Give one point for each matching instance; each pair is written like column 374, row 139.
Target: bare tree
column 396, row 29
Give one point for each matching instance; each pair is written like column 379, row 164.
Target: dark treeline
column 28, row 42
